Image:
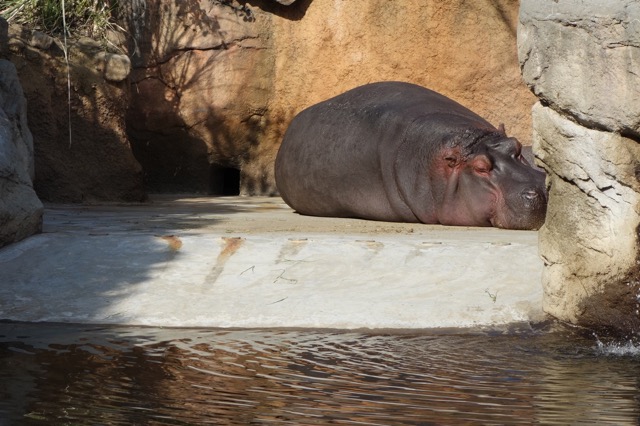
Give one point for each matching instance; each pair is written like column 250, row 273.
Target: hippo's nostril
column 533, row 198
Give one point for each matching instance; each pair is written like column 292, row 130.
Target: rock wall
column 581, row 58
column 95, row 163
column 202, row 78
column 215, row 84
column 20, row 208
column 465, row 50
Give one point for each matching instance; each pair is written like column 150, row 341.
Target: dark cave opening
column 224, row 180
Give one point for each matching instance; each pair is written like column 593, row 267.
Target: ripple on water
column 133, row 376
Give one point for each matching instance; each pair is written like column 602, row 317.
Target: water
column 66, row 374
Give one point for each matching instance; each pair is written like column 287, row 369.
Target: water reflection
column 90, row 375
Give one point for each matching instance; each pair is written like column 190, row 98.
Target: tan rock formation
column 589, row 242
column 201, row 82
column 464, row 50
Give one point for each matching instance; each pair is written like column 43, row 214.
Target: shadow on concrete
column 95, row 263
column 163, row 214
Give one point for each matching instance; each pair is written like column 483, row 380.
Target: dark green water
column 77, row 375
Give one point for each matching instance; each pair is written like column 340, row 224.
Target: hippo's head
column 490, row 183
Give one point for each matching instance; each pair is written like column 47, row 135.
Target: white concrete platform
column 252, row 262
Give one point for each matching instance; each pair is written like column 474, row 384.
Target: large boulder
column 581, row 58
column 20, row 209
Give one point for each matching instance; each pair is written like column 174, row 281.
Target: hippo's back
column 337, row 156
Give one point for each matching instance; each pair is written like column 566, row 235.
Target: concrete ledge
column 252, row 262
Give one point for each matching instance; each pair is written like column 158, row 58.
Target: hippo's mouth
column 531, row 221
column 526, row 212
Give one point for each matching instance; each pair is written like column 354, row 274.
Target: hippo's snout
column 526, row 209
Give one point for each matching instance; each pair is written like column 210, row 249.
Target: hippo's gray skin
column 398, row 152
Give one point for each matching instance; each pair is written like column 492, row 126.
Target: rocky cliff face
column 581, row 58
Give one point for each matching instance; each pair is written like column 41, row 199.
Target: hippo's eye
column 481, row 164
column 518, row 153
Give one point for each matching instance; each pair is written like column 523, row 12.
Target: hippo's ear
column 501, row 129
column 451, row 157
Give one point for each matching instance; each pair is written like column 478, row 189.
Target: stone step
column 252, row 262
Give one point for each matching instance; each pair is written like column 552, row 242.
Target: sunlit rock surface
column 581, row 58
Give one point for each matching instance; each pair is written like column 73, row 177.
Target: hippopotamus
column 399, row 152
